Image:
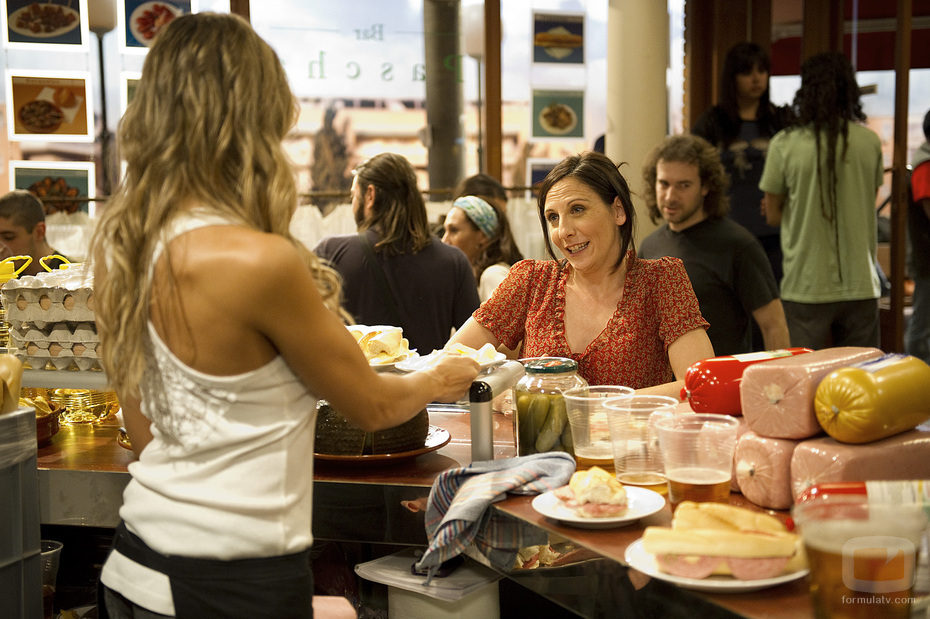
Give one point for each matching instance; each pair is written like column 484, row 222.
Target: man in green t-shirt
column 820, row 180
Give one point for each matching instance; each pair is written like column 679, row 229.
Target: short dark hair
column 603, row 176
column 22, row 208
column 697, row 151
column 927, row 125
column 398, row 212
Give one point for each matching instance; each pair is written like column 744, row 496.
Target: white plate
column 412, row 364
column 645, row 562
column 138, row 12
column 383, row 367
column 554, row 129
column 642, row 503
column 14, row 17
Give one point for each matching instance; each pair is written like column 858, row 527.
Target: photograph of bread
column 558, row 38
column 49, row 106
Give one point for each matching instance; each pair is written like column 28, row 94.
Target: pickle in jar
column 550, row 433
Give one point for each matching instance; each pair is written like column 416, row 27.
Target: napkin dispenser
column 484, row 389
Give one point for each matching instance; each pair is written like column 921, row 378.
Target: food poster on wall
column 558, row 114
column 56, row 183
column 129, row 81
column 558, row 38
column 536, row 172
column 49, row 107
column 140, row 22
column 39, row 25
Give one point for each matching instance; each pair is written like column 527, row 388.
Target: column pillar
column 637, row 96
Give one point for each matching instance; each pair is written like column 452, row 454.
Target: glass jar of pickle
column 541, row 423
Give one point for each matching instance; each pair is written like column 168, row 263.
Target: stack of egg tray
column 51, row 320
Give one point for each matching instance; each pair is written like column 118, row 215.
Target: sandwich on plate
column 381, row 344
column 718, row 539
column 594, row 493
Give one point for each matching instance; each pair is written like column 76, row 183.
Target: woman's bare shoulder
column 235, row 253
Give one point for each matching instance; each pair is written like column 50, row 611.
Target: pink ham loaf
column 763, row 469
column 741, row 429
column 823, row 460
column 777, row 397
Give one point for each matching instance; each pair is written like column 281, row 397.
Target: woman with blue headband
column 481, row 231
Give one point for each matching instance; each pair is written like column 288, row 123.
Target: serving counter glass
column 83, row 471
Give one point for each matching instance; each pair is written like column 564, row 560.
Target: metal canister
column 541, row 423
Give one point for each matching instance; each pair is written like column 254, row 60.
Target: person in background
column 219, row 332
column 626, row 321
column 820, row 180
column 483, row 234
column 22, row 231
column 394, row 270
column 917, row 335
column 740, row 126
column 486, row 187
column 685, row 184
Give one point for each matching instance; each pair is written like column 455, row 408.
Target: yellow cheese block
column 875, row 399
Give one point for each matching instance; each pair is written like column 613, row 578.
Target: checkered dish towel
column 457, row 512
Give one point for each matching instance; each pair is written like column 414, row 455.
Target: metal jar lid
column 550, row 365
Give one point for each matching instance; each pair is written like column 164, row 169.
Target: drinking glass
column 635, row 440
column 862, row 556
column 697, row 451
column 587, row 415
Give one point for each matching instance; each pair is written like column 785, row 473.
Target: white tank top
column 229, row 471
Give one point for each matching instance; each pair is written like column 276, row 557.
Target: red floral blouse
column 658, row 307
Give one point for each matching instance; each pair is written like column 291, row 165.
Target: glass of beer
column 697, row 451
column 588, row 417
column 635, row 439
column 862, row 556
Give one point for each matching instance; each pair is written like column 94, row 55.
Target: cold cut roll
column 594, row 493
column 708, row 539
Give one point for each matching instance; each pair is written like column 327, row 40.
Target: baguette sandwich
column 594, row 493
column 718, row 539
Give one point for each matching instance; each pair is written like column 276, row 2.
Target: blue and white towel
column 457, row 512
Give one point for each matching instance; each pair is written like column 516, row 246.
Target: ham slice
column 702, row 566
column 822, row 460
column 777, row 397
column 588, row 509
column 763, row 469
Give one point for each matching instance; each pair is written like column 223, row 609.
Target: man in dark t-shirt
column 395, row 272
column 731, row 275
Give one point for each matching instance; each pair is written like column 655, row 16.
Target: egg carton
column 71, row 332
column 62, row 363
column 59, row 349
column 55, row 296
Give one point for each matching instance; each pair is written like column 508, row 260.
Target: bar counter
column 83, row 471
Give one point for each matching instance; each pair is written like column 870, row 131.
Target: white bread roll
column 718, row 543
column 596, row 485
column 724, row 517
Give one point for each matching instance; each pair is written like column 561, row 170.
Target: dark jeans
column 842, row 323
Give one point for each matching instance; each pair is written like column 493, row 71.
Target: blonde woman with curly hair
column 219, row 332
